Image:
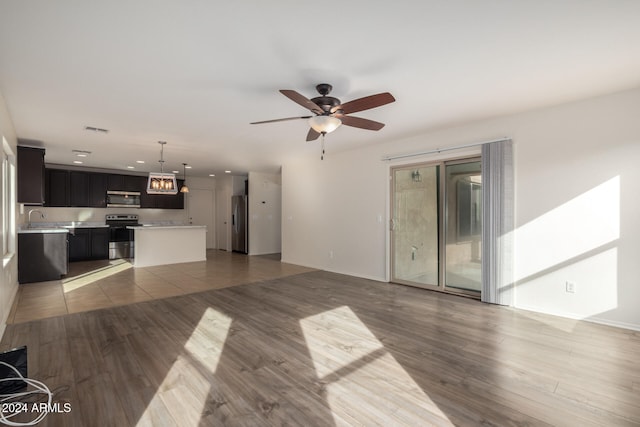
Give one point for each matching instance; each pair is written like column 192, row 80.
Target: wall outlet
column 570, row 287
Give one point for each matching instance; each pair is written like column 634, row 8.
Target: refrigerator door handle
column 235, row 214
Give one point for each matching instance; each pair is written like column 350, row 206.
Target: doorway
column 436, row 226
column 201, row 208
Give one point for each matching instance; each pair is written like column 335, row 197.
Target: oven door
column 120, row 242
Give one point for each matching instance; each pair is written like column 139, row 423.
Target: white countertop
column 43, row 230
column 65, row 224
column 163, row 227
column 85, row 226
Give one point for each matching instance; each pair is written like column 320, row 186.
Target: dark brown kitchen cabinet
column 115, row 182
column 73, row 188
column 57, row 188
column 119, row 182
column 42, row 256
column 88, row 243
column 78, row 189
column 79, row 244
column 98, row 190
column 100, row 243
column 66, row 188
column 31, row 176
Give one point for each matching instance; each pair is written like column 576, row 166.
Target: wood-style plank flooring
column 322, row 349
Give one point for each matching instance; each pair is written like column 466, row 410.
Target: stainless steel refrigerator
column 239, row 224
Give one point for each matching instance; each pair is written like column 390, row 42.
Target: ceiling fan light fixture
column 324, row 124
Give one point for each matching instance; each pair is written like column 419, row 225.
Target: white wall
column 9, row 276
column 577, row 204
column 265, row 205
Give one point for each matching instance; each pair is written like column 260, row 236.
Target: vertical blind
column 498, row 222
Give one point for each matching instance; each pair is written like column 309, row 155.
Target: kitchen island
column 168, row 244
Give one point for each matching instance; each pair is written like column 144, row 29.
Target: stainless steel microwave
column 123, row 199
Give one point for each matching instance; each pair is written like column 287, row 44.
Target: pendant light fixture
column 161, row 182
column 184, row 188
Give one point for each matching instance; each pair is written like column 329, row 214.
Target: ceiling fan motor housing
column 325, row 102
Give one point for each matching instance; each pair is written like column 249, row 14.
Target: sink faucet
column 32, row 211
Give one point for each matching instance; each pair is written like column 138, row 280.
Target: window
column 8, row 186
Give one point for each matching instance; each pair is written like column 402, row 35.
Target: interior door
column 201, row 209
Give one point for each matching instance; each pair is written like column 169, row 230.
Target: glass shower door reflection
column 415, row 226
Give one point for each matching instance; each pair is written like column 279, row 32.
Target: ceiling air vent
column 95, row 129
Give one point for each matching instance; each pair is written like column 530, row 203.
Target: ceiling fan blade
column 365, row 103
column 300, row 99
column 358, row 122
column 312, row 135
column 280, row 120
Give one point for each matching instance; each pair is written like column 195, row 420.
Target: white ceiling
column 195, row 73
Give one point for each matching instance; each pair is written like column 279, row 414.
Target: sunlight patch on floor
column 76, row 282
column 349, row 361
column 185, row 390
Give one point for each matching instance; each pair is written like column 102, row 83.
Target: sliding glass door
column 463, row 226
column 436, row 226
column 415, row 225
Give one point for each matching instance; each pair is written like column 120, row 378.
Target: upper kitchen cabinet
column 57, row 188
column 88, row 189
column 31, row 175
column 98, row 189
column 119, row 182
column 78, row 189
column 71, row 188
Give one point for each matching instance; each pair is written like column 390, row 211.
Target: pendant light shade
column 184, row 188
column 161, row 182
column 324, row 124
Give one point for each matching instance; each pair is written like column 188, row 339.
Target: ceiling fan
column 330, row 113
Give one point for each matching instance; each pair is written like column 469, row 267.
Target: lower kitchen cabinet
column 41, row 256
column 100, row 243
column 88, row 243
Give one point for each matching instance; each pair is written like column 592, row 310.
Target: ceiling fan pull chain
column 322, row 144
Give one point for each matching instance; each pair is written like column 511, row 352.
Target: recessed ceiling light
column 140, row 161
column 175, row 171
column 130, row 167
column 212, row 174
column 188, row 167
column 82, row 155
column 77, row 162
column 227, row 171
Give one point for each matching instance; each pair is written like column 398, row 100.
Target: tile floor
column 93, row 285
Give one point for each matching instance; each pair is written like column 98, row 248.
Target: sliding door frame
column 441, row 197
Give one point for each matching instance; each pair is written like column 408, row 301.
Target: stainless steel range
column 120, row 238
